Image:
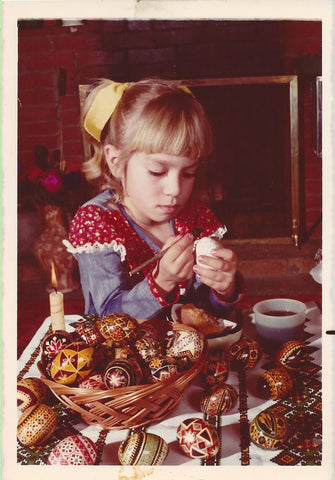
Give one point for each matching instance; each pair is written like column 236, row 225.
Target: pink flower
column 52, row 182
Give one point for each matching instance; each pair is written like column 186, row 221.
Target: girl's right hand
column 176, row 266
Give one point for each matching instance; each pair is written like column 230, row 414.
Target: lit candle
column 56, row 304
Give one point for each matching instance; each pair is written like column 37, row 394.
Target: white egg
column 204, row 246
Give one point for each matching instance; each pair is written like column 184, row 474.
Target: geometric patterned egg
column 197, row 438
column 73, row 450
column 142, row 448
column 53, row 343
column 214, row 370
column 121, row 328
column 148, row 347
column 30, row 390
column 275, row 383
column 186, row 343
column 121, row 373
column 36, row 424
column 161, row 368
column 72, row 364
column 269, row 429
column 218, row 401
column 89, row 334
column 293, row 355
column 244, row 353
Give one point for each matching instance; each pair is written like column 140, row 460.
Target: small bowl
column 279, row 320
column 230, row 332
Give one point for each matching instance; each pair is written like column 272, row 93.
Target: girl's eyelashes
column 156, row 174
column 160, row 174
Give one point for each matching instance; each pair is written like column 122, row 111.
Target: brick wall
column 128, row 50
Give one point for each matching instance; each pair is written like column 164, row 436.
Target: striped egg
column 73, row 450
column 36, row 425
column 218, row 401
column 30, row 391
column 142, row 448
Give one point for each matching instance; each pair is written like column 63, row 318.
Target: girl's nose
column 173, row 185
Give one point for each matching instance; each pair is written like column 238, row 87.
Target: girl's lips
column 168, row 208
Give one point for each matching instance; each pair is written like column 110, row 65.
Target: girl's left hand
column 221, row 274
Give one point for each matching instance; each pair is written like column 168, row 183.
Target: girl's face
column 157, row 186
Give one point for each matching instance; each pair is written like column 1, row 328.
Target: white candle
column 56, row 305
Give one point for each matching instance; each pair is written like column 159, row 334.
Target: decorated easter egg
column 89, row 334
column 162, row 368
column 197, row 438
column 186, row 343
column 221, row 399
column 121, row 328
column 148, row 348
column 215, row 370
column 36, row 425
column 269, row 430
column 93, row 382
column 293, row 355
column 120, row 373
column 204, row 247
column 142, row 448
column 147, row 329
column 53, row 343
column 72, row 364
column 30, row 391
column 243, row 354
column 275, row 383
column 73, row 450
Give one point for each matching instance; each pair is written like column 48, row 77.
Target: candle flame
column 53, row 276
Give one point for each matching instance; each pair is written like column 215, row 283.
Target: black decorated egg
column 142, row 448
column 269, row 429
column 215, row 370
column 244, row 354
column 121, row 373
column 89, row 334
column 162, row 367
column 121, row 328
column 72, row 364
column 30, row 390
column 275, row 383
column 293, row 355
column 186, row 344
column 148, row 347
column 73, row 450
column 198, row 438
column 36, row 425
column 52, row 344
column 221, row 399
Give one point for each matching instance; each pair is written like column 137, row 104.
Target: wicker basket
column 128, row 407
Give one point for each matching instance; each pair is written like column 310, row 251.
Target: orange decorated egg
column 269, row 429
column 293, row 355
column 221, row 399
column 73, row 450
column 30, row 391
column 243, row 354
column 72, row 364
column 36, row 425
column 121, row 328
column 275, row 383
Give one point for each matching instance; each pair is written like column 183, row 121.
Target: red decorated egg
column 147, row 329
column 269, row 429
column 121, row 373
column 243, row 354
column 121, row 328
column 52, row 344
column 186, row 343
column 293, row 355
column 36, row 425
column 73, row 450
column 148, row 348
column 221, row 399
column 162, row 368
column 72, row 364
column 30, row 391
column 93, row 382
column 275, row 383
column 89, row 334
column 197, row 438
column 215, row 370
column 142, row 448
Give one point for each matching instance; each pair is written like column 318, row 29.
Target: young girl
column 149, row 139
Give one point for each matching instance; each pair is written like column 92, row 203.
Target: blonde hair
column 152, row 116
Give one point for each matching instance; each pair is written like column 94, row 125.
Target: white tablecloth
column 189, row 405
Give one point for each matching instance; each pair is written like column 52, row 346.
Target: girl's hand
column 176, row 265
column 221, row 274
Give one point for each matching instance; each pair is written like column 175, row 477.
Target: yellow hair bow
column 102, row 108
